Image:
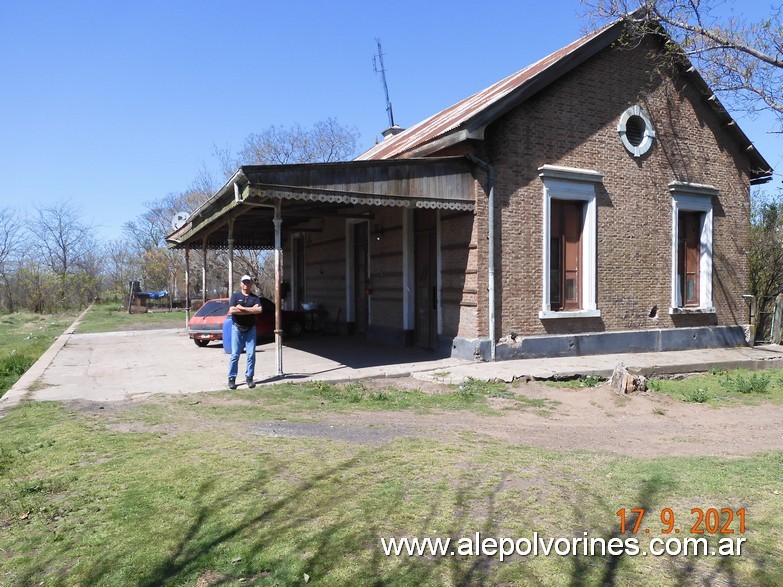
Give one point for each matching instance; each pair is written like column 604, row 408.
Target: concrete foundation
column 601, row 343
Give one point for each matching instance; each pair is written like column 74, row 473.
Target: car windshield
column 213, row 308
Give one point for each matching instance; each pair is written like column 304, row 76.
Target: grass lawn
column 24, row 337
column 111, row 317
column 734, row 387
column 207, row 490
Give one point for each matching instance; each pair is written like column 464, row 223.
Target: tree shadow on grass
column 330, row 534
column 325, row 527
column 678, row 571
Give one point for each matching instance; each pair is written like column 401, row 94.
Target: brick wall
column 459, row 274
column 572, row 123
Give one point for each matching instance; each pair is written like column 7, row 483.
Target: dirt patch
column 372, row 435
column 406, row 384
column 590, row 419
column 596, row 419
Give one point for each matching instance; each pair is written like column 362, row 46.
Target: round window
column 636, row 131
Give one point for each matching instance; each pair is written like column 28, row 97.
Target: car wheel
column 200, row 343
column 295, row 328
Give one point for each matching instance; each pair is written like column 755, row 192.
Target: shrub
column 15, row 365
column 472, row 389
column 756, row 383
column 12, row 367
column 698, row 395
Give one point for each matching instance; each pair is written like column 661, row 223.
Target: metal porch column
column 278, row 221
column 187, row 286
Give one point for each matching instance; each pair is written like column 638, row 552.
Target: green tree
column 38, row 286
column 765, row 258
column 766, row 247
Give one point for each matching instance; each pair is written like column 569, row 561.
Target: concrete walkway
column 125, row 365
column 648, row 364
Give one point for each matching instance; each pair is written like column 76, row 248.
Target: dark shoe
column 232, row 383
column 250, row 383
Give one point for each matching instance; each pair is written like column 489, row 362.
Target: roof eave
column 543, row 79
column 340, row 185
column 181, row 235
column 759, row 171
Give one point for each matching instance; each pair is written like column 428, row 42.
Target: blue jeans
column 239, row 340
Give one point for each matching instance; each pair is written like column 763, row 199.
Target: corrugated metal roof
column 460, row 113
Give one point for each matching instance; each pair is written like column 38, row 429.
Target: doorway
column 298, row 254
column 361, row 284
column 426, row 284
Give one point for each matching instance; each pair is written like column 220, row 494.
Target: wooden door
column 299, row 273
column 426, row 302
column 361, row 276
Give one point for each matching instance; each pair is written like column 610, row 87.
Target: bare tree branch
column 12, row 241
column 738, row 58
column 327, row 141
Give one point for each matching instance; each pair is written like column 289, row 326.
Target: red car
column 207, row 324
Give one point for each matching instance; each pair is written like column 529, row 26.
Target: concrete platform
column 124, row 365
column 648, row 364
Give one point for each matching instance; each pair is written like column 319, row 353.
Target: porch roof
column 317, row 190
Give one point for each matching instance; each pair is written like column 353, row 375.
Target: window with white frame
column 570, row 237
column 691, row 248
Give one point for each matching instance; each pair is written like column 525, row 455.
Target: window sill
column 550, row 314
column 687, row 311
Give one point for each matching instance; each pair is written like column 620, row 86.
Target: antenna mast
column 377, row 65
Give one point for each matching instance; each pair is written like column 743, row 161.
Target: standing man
column 243, row 307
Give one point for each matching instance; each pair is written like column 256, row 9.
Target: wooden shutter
column 572, row 255
column 689, row 256
column 565, row 255
column 556, row 256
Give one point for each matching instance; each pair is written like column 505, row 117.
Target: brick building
column 592, row 202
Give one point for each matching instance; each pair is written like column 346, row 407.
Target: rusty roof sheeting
column 466, row 119
column 460, row 113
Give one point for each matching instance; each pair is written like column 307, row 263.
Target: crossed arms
column 243, row 310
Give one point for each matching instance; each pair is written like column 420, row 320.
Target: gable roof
column 468, row 118
column 469, row 113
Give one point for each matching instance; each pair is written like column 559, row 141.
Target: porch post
column 278, row 221
column 204, row 272
column 230, row 256
column 408, row 271
column 187, row 286
column 438, row 275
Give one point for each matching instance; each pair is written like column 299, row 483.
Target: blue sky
column 112, row 104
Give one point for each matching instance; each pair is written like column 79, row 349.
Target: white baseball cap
column 246, row 278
